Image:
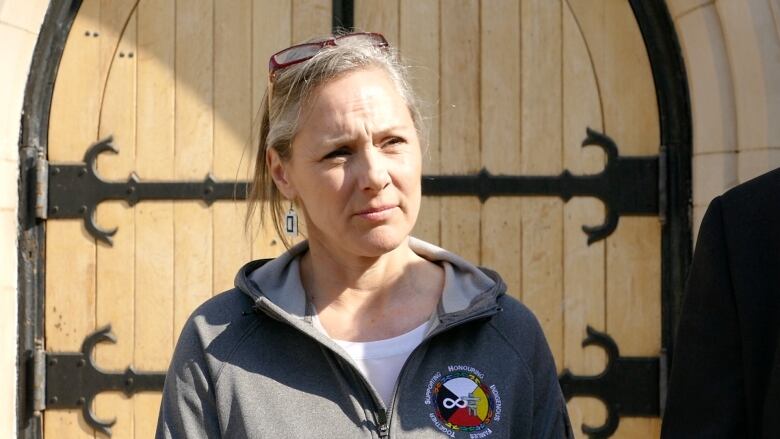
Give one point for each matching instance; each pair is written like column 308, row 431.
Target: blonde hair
column 292, row 89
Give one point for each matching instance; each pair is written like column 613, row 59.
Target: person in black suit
column 725, row 376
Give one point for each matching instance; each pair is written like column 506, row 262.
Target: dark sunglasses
column 302, row 52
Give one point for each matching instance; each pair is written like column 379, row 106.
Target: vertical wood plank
column 232, row 130
column 310, row 19
column 77, row 91
column 155, row 106
column 460, row 130
column 115, row 267
column 541, row 154
column 584, row 265
column 114, row 18
column 194, row 131
column 271, row 32
column 419, row 49
column 634, row 251
column 631, row 119
column 501, row 135
column 378, row 16
column 633, row 300
column 70, row 308
column 70, row 251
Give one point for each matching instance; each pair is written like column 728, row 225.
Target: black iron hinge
column 40, row 186
column 71, row 380
column 628, row 386
column 626, row 186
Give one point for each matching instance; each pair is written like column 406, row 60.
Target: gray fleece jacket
column 250, row 364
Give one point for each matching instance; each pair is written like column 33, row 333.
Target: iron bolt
column 52, row 361
column 55, row 209
column 81, row 363
column 81, row 401
column 82, row 209
column 129, row 382
column 53, row 400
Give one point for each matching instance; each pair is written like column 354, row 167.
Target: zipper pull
column 382, row 418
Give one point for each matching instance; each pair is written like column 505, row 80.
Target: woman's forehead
column 364, row 96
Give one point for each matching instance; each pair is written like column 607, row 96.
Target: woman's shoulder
column 520, row 328
column 224, row 307
column 219, row 320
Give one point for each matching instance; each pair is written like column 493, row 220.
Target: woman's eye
column 339, row 152
column 394, row 141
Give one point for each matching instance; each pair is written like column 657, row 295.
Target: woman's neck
column 360, row 298
column 354, row 280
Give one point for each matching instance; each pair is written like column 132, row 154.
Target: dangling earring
column 291, row 222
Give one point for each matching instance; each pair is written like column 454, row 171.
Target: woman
column 362, row 330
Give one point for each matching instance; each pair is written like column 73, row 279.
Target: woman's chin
column 378, row 242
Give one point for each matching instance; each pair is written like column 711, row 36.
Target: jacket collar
column 468, row 290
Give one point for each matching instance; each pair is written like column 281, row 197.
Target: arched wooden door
column 510, row 87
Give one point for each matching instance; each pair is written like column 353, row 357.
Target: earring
column 291, row 222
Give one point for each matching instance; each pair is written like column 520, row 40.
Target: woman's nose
column 373, row 174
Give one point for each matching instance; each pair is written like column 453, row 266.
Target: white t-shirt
column 381, row 361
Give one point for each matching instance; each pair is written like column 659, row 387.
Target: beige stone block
column 8, row 257
column 682, row 7
column 753, row 163
column 713, row 174
column 9, row 186
column 26, row 14
column 8, row 326
column 15, row 55
column 709, row 79
column 752, row 42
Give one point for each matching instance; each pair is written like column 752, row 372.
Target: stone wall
column 732, row 54
column 20, row 22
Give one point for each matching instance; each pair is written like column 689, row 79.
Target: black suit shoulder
column 726, row 372
column 755, row 200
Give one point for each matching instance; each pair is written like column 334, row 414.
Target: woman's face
column 355, row 166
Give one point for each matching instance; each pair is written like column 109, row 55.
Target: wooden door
column 507, row 85
column 176, row 83
column 512, row 86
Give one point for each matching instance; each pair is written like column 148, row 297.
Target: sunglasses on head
column 302, row 52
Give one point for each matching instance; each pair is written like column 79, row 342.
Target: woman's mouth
column 377, row 213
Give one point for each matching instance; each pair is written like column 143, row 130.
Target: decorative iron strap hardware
column 76, row 190
column 626, row 186
column 73, row 380
column 628, row 386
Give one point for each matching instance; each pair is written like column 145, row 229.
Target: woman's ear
column 279, row 172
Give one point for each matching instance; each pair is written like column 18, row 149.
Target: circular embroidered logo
column 462, row 402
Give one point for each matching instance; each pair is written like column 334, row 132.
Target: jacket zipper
column 382, row 416
column 379, row 413
column 384, row 425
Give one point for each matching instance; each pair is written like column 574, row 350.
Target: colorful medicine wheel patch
column 463, row 402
